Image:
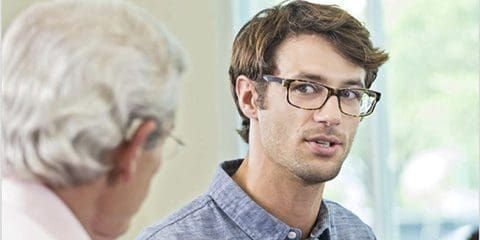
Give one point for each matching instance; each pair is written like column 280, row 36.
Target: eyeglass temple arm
column 270, row 78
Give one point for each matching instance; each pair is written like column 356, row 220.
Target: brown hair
column 256, row 42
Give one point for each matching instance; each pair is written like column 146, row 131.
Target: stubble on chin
column 311, row 171
column 301, row 164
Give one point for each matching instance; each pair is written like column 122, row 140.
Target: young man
column 300, row 74
column 88, row 94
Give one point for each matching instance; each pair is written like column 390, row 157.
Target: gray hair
column 75, row 75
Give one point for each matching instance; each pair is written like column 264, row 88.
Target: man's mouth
column 324, row 143
column 325, row 146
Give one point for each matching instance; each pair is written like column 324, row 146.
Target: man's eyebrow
column 322, row 79
column 309, row 76
column 354, row 83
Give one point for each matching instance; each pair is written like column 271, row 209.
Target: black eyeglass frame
column 286, row 82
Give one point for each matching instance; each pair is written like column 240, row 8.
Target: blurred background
column 414, row 169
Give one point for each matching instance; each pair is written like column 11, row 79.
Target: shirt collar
column 42, row 207
column 324, row 222
column 248, row 215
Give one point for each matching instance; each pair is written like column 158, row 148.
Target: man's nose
column 330, row 113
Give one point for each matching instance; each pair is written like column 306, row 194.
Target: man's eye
column 305, row 88
column 350, row 94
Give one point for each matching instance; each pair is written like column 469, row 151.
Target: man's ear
column 141, row 138
column 246, row 96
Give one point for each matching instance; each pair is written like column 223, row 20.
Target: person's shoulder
column 341, row 213
column 194, row 219
column 347, row 223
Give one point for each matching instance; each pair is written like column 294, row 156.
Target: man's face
column 124, row 197
column 310, row 144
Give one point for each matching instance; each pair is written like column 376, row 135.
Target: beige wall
column 206, row 115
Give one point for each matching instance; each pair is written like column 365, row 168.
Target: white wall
column 206, row 117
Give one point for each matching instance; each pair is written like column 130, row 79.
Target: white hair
column 75, row 74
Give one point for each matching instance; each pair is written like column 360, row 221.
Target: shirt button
column 292, row 235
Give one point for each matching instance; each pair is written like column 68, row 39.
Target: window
column 433, row 114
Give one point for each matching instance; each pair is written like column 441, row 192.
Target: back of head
column 76, row 73
column 253, row 53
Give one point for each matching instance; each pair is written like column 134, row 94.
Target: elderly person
column 88, row 95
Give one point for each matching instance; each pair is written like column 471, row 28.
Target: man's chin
column 315, row 180
column 313, row 175
column 110, row 233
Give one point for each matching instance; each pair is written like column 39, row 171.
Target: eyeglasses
column 309, row 95
column 172, row 146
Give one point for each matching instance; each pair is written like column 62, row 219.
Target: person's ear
column 142, row 136
column 246, row 96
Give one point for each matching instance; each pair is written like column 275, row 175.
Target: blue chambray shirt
column 227, row 212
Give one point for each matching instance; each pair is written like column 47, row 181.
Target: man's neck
column 83, row 201
column 280, row 193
